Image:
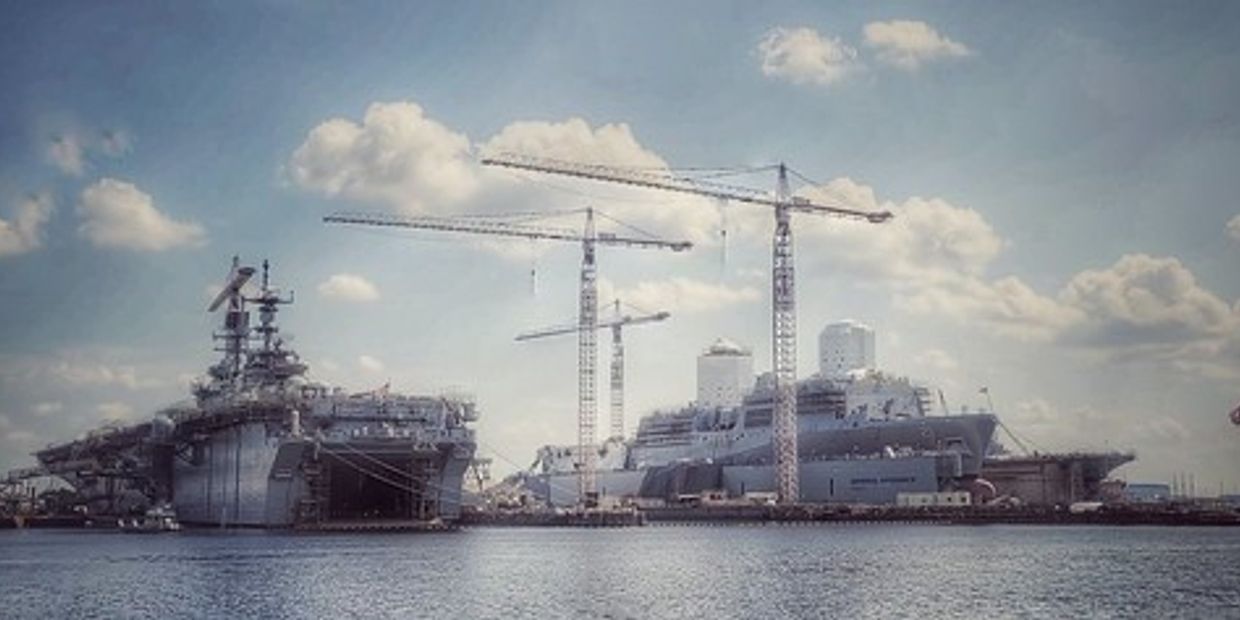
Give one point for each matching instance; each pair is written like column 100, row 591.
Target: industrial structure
column 724, row 374
column 783, row 315
column 616, row 323
column 260, row 445
column 587, row 324
column 845, row 347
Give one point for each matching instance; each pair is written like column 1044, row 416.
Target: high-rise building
column 724, row 374
column 845, row 347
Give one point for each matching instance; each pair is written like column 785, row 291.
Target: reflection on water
column 741, row 571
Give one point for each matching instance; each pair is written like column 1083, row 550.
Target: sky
column 1062, row 177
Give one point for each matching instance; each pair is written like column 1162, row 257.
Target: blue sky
column 1063, row 178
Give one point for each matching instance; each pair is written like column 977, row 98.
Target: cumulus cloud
column 1145, row 299
column 926, row 238
column 370, row 364
column 395, row 155
column 803, row 56
column 24, row 232
column 680, row 294
column 935, row 256
column 1233, row 228
column 349, row 287
column 116, row 214
column 908, row 44
column 401, row 160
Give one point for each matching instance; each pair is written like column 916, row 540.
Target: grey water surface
column 811, row 571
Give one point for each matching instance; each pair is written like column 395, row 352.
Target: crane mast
column 616, row 396
column 783, row 280
column 784, row 350
column 616, row 324
column 587, row 319
column 587, row 359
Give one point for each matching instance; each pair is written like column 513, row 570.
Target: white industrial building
column 724, row 374
column 845, row 347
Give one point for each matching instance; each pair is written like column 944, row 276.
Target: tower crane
column 616, row 323
column 783, row 292
column 587, row 321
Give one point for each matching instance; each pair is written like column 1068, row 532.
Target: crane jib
column 639, row 178
column 507, row 229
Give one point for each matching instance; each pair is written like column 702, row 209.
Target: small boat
column 157, row 519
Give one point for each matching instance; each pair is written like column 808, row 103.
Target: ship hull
column 823, row 439
column 868, row 481
column 247, row 476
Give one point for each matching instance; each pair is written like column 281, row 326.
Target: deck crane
column 783, row 307
column 587, row 354
column 618, row 321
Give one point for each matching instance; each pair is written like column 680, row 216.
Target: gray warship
column 260, row 445
column 863, row 438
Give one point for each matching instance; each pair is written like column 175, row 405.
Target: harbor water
column 745, row 571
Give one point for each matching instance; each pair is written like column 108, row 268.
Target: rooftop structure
column 724, row 374
column 844, row 348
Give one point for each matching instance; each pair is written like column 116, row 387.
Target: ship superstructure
column 864, row 437
column 261, row 445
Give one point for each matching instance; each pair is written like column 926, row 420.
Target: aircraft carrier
column 260, row 445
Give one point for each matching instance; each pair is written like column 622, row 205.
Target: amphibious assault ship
column 862, row 438
column 261, row 445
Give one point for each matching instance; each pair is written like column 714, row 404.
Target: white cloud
column 400, row 159
column 396, row 156
column 370, row 364
column 925, row 239
column 907, row 44
column 115, row 412
column 67, row 152
column 1144, row 300
column 803, row 56
column 680, row 295
column 1233, row 228
column 48, row 408
column 25, row 231
column 117, row 214
column 349, row 287
column 935, row 257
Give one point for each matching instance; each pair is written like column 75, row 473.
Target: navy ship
column 260, row 445
column 862, row 438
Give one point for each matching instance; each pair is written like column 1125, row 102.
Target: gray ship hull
column 868, row 481
column 247, row 477
column 821, row 438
